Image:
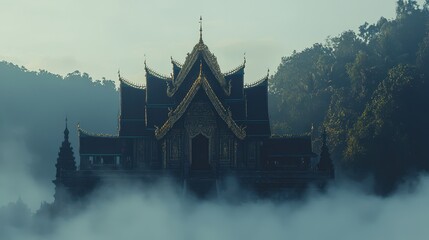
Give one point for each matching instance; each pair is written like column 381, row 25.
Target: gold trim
column 134, row 85
column 177, row 63
column 257, row 83
column 177, row 113
column 89, row 134
column 156, row 74
column 235, row 70
column 211, row 61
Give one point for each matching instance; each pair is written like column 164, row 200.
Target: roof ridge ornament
column 234, row 70
column 174, row 61
column 84, row 133
column 131, row 84
column 201, row 29
column 157, row 74
column 259, row 82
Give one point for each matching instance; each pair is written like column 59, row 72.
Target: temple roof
column 178, row 112
column 156, row 74
column 134, row 85
column 83, row 133
column 235, row 70
column 176, row 63
column 209, row 58
column 99, row 145
column 262, row 82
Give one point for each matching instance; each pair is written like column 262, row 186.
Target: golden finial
column 201, row 29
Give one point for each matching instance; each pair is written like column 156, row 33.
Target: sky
column 102, row 37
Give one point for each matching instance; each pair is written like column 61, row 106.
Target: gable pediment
column 200, row 83
column 199, row 54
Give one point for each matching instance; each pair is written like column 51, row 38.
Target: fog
column 17, row 178
column 32, row 133
column 128, row 210
column 33, row 107
column 161, row 211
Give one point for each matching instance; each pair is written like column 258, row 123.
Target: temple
column 196, row 126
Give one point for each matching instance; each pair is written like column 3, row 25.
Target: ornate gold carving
column 177, row 113
column 200, row 119
column 223, row 113
column 134, row 85
column 259, row 82
column 156, row 74
column 175, row 145
column 190, row 61
column 243, row 65
column 89, row 134
column 177, row 63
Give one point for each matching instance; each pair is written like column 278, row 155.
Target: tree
column 389, row 137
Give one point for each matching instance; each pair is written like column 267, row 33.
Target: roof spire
column 201, row 29
column 66, row 131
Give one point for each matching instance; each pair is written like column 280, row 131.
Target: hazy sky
column 100, row 37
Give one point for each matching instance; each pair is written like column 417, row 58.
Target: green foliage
column 300, row 88
column 35, row 104
column 389, row 139
column 368, row 90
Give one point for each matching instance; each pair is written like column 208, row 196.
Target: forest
column 368, row 89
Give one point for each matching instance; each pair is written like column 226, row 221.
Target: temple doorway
column 200, row 153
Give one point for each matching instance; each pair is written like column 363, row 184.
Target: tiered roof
column 152, row 110
column 200, row 51
column 177, row 113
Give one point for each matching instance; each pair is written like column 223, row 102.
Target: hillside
column 369, row 90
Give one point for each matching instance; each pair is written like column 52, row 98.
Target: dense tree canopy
column 369, row 90
column 34, row 105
